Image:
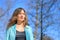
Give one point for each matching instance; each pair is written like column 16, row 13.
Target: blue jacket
column 11, row 33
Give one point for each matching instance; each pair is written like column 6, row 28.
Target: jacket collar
column 14, row 26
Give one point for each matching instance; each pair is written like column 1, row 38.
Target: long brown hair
column 13, row 20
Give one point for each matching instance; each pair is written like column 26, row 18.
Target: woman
column 18, row 28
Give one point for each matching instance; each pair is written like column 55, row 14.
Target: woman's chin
column 21, row 20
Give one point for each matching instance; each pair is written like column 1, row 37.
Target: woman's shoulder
column 10, row 28
column 28, row 27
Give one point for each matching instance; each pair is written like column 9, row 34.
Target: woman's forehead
column 22, row 12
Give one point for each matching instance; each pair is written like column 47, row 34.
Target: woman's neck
column 20, row 27
column 19, row 22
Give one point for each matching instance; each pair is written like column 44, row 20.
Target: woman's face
column 21, row 16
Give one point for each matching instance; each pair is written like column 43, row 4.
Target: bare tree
column 1, row 12
column 9, row 4
column 46, row 15
column 45, row 37
column 43, row 9
column 34, row 4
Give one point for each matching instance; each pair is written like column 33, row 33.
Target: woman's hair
column 13, row 20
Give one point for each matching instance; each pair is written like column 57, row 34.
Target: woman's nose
column 21, row 15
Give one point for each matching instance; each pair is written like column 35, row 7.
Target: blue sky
column 52, row 31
